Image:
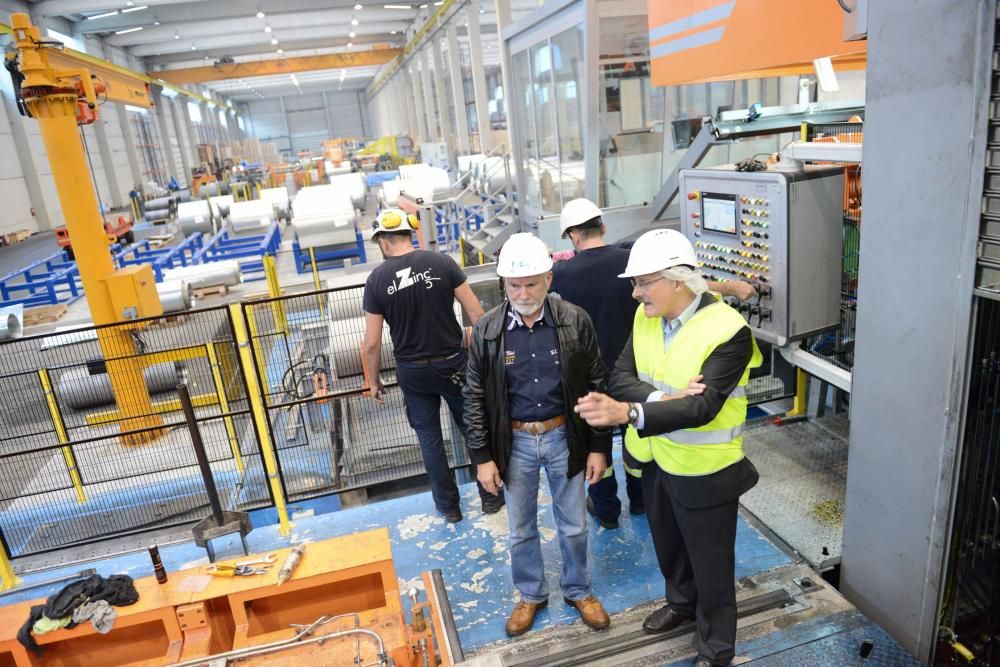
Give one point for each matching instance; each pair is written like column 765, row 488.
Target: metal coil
column 226, row 272
column 175, row 295
column 79, row 390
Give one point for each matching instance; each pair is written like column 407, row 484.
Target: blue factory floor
column 474, row 559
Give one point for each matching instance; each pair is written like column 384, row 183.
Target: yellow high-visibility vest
column 718, row 444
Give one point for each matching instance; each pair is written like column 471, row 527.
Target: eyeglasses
column 636, row 283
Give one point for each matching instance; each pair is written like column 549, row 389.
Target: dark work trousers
column 604, row 494
column 696, row 552
column 424, row 384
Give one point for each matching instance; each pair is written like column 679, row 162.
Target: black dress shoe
column 453, row 516
column 493, row 506
column 663, row 619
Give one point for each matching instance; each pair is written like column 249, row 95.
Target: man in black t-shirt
column 590, row 280
column 414, row 291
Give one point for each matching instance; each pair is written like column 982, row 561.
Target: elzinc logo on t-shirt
column 407, row 278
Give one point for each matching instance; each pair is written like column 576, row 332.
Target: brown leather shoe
column 591, row 612
column 523, row 617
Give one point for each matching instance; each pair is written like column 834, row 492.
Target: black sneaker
column 453, row 516
column 605, row 523
column 493, row 505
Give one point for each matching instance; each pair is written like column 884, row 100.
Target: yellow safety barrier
column 258, row 352
column 177, row 354
column 800, row 405
column 220, row 390
column 461, row 251
column 61, row 435
column 315, row 271
column 274, row 291
column 255, row 398
column 7, row 575
column 159, row 407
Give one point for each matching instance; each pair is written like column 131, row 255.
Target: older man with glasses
column 681, row 387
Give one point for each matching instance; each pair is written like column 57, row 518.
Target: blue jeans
column 424, row 385
column 530, row 454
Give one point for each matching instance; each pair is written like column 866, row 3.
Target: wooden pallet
column 44, row 314
column 14, row 238
column 214, row 290
column 159, row 241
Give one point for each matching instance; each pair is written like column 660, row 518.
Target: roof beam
column 190, row 58
column 278, row 66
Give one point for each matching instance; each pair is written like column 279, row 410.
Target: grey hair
column 691, row 278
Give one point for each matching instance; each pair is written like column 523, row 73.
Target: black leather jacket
column 487, row 409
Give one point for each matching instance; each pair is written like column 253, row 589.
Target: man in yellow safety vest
column 682, row 381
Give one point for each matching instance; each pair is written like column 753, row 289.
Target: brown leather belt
column 537, row 428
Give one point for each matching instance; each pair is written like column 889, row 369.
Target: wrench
column 266, row 560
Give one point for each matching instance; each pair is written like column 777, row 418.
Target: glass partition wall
column 585, row 120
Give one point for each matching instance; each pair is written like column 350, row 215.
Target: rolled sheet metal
column 226, row 272
column 175, row 295
column 221, row 205
column 159, row 202
column 214, row 189
column 323, row 216
column 355, row 185
column 11, row 322
column 79, row 390
column 278, row 198
column 195, row 216
column 250, row 216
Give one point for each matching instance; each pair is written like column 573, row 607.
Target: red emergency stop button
column 693, row 194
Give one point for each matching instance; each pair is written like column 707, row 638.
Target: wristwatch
column 633, row 414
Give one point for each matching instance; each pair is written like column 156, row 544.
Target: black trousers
column 695, row 549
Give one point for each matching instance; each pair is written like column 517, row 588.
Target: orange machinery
column 117, row 228
column 696, row 41
column 342, row 606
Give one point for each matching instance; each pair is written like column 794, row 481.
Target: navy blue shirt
column 590, row 280
column 531, row 362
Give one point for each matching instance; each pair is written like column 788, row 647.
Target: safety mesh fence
column 94, row 441
column 328, row 434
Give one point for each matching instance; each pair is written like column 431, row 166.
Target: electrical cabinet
column 133, row 292
column 781, row 232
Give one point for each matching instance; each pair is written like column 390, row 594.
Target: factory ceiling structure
column 251, row 44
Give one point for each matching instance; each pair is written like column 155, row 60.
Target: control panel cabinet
column 781, row 232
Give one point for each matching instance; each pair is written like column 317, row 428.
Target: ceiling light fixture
column 102, row 16
column 392, row 32
column 177, row 35
column 280, row 52
column 352, row 34
column 439, row 3
column 267, row 28
column 274, row 41
column 354, row 21
column 135, row 9
column 128, row 30
column 350, row 45
column 129, row 3
column 156, row 21
column 398, row 6
column 358, row 7
column 194, row 48
column 260, row 14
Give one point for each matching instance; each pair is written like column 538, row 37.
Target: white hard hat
column 657, row 250
column 395, row 220
column 576, row 212
column 523, row 255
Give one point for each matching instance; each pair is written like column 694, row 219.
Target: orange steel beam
column 277, row 66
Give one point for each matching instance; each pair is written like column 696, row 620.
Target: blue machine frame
column 54, row 279
column 327, row 257
column 182, row 254
column 225, row 245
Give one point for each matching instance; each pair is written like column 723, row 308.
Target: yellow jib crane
column 60, row 90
